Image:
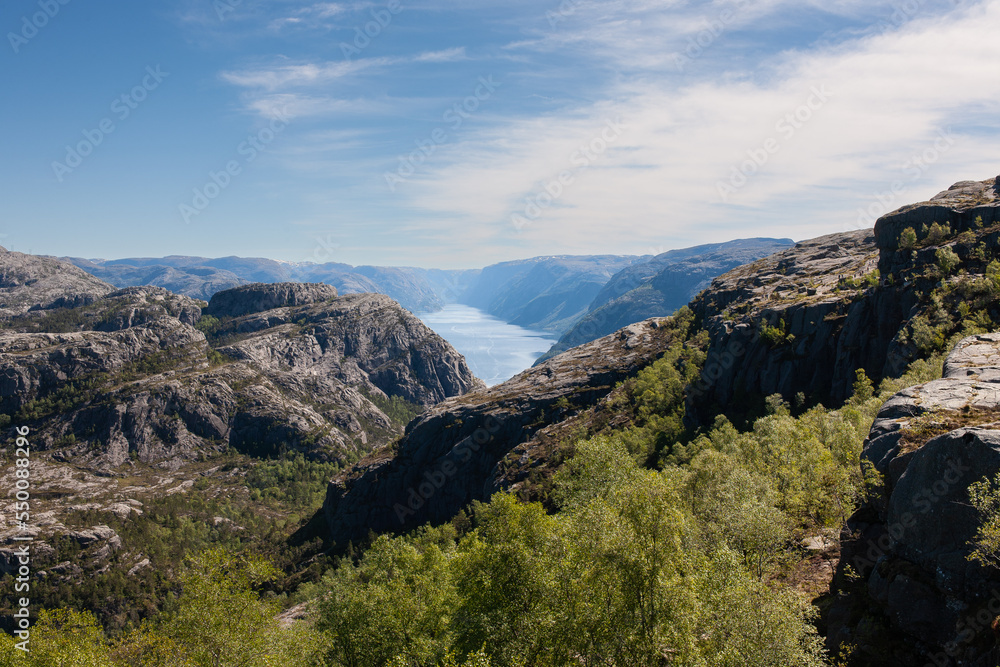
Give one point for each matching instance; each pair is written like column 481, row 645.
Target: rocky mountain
column 31, row 283
column 661, row 285
column 201, row 277
column 799, row 323
column 129, row 377
column 546, row 293
column 198, row 282
column 805, row 319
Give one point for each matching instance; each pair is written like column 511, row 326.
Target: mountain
column 198, row 282
column 800, row 326
column 546, row 293
column 659, row 286
column 202, row 277
column 810, row 444
column 39, row 283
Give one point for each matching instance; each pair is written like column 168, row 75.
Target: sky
column 450, row 134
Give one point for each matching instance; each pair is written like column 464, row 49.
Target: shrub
column 908, row 239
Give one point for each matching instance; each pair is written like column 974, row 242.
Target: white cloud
column 892, row 94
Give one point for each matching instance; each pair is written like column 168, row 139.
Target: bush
column 908, row 239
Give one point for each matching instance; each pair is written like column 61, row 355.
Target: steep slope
column 547, row 293
column 660, row 286
column 805, row 319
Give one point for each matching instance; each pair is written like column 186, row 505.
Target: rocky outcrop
column 801, row 320
column 453, row 454
column 958, row 207
column 805, row 319
column 260, row 297
column 29, row 282
column 913, row 596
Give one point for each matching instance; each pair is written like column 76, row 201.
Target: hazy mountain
column 547, row 293
column 661, row 285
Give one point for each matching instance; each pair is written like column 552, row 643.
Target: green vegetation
column 776, row 335
column 985, row 498
column 396, row 408
column 908, row 239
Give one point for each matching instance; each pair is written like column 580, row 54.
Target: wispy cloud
column 892, row 91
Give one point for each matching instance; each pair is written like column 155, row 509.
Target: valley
column 775, row 447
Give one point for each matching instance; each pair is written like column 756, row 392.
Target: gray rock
column 931, row 442
column 261, row 297
column 30, row 282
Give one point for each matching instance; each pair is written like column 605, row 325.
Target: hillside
column 659, row 286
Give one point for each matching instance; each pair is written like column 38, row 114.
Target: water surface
column 496, row 351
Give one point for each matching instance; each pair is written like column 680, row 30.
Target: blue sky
column 454, row 134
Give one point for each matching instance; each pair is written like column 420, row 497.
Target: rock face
column 29, row 282
column 454, row 453
column 658, row 287
column 958, row 207
column 908, row 546
column 823, row 325
column 804, row 319
column 260, row 297
column 289, row 366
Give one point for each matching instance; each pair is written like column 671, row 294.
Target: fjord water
column 496, row 351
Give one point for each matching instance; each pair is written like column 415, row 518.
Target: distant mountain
column 550, row 293
column 659, row 286
column 197, row 282
column 417, row 290
column 547, row 293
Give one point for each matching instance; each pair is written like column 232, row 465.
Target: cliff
column 288, row 366
column 908, row 593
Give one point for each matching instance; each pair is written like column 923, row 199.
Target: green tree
column 221, row 621
column 947, row 260
column 395, row 605
column 984, row 496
